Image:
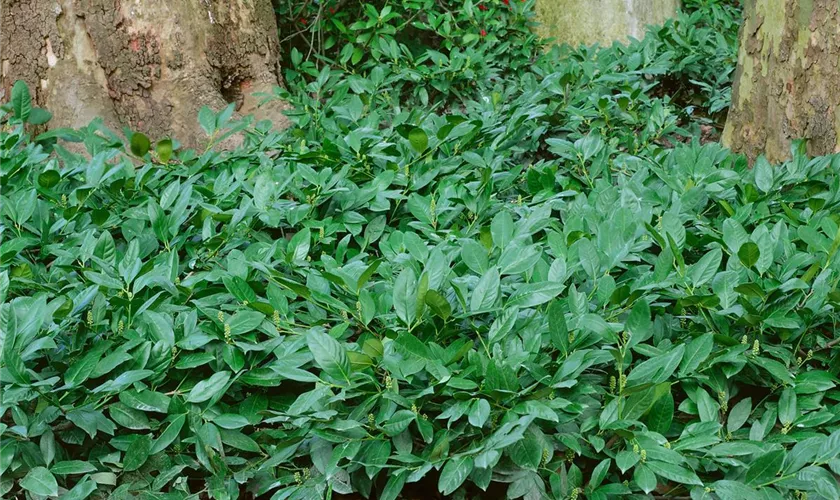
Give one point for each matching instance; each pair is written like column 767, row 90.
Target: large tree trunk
column 603, row 21
column 786, row 85
column 149, row 65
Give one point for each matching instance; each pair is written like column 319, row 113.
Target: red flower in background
column 483, row 33
column 506, row 2
column 482, row 7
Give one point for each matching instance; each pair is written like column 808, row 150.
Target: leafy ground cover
column 471, row 265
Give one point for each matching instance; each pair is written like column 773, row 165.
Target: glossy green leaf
column 418, row 139
column 40, row 481
column 21, row 100
column 454, row 473
column 209, row 388
column 329, row 355
column 749, row 254
column 140, row 144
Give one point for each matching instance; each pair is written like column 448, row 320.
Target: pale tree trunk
column 603, row 21
column 149, row 65
column 787, row 85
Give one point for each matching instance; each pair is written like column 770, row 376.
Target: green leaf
column 410, row 346
column 657, row 369
column 367, row 274
column 734, row 490
column 516, row 259
column 822, row 481
column 589, row 259
column 703, row 271
column 749, row 254
column 739, row 414
column 454, row 473
column 706, row 406
column 763, row 174
column 72, row 467
column 626, row 459
column 422, row 290
column 4, row 284
column 639, row 324
column 676, row 251
column 148, row 401
column 21, row 100
column 418, row 139
column 438, row 304
column 527, row 452
column 734, row 235
column 661, row 414
column 774, row 368
column 502, row 325
column 164, row 150
column 128, row 417
column 479, row 412
column 239, row 288
column 535, row 294
column 501, row 228
column 8, row 449
column 557, row 327
column 137, row 453
column 49, row 178
column 207, row 120
column 673, row 472
column 696, row 352
column 830, row 448
column 376, row 456
column 599, row 473
column 39, row 116
column 108, row 478
column 329, row 354
column 765, row 468
column 787, row 406
column 474, row 256
column 239, row 441
column 230, row 421
column 405, row 296
column 245, row 321
column 644, row 478
column 140, row 144
column 486, row 292
column 209, row 388
column 40, row 481
column 169, row 435
column 394, row 486
column 398, row 422
column 84, row 367
column 638, row 403
column 82, row 490
column 537, row 409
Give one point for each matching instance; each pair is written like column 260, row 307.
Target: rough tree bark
column 786, row 84
column 149, row 65
column 603, row 21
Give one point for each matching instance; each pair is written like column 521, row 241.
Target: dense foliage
column 470, row 265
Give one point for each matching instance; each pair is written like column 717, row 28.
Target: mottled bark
column 787, row 85
column 149, row 65
column 603, row 21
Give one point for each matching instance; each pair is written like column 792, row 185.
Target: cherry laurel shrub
column 541, row 286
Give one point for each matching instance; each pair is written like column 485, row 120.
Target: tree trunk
column 149, row 65
column 603, row 21
column 786, row 85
